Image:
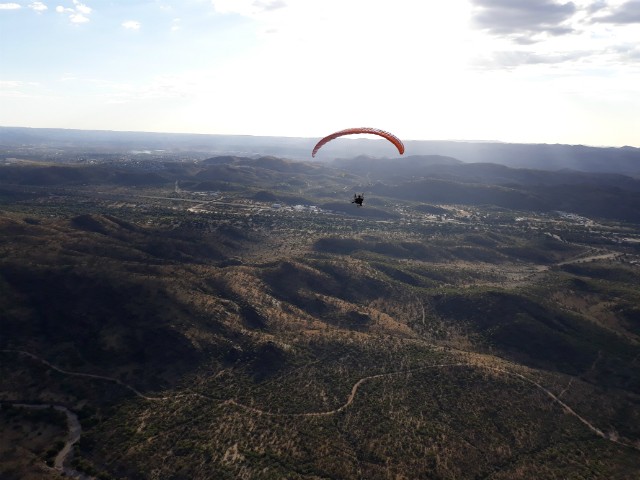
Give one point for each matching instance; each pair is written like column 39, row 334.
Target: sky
column 524, row 71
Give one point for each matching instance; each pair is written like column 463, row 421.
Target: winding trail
column 73, row 436
column 424, row 318
column 591, row 258
column 350, row 398
column 613, row 437
column 86, row 375
column 359, row 383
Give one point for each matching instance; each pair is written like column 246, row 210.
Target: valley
column 234, row 317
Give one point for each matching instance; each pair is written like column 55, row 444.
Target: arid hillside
column 252, row 332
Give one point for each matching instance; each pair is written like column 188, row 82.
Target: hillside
column 448, row 329
column 430, row 179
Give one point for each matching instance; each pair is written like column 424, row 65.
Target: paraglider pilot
column 358, row 199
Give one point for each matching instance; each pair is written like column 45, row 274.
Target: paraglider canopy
column 352, row 131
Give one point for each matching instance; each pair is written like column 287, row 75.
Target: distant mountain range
column 414, row 179
column 623, row 160
column 448, row 168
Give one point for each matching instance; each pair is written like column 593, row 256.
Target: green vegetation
column 209, row 334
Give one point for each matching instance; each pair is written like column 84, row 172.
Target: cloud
column 81, row 7
column 79, row 13
column 10, row 6
column 38, row 7
column 514, row 58
column 272, row 5
column 596, row 6
column 8, row 84
column 247, row 8
column 78, row 18
column 626, row 13
column 167, row 87
column 17, row 89
column 523, row 21
column 628, row 53
column 131, row 25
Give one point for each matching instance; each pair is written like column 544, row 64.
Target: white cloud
column 175, row 25
column 38, row 7
column 163, row 87
column 82, row 8
column 131, row 25
column 247, row 8
column 68, row 77
column 10, row 84
column 10, row 6
column 78, row 18
column 78, row 14
column 17, row 89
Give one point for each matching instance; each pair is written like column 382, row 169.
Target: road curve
column 352, row 395
column 73, row 436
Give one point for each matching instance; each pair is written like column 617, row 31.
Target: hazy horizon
column 315, row 138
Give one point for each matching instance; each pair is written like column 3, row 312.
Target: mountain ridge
column 624, row 160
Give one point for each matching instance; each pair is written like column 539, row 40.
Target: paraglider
column 359, row 199
column 352, row 131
